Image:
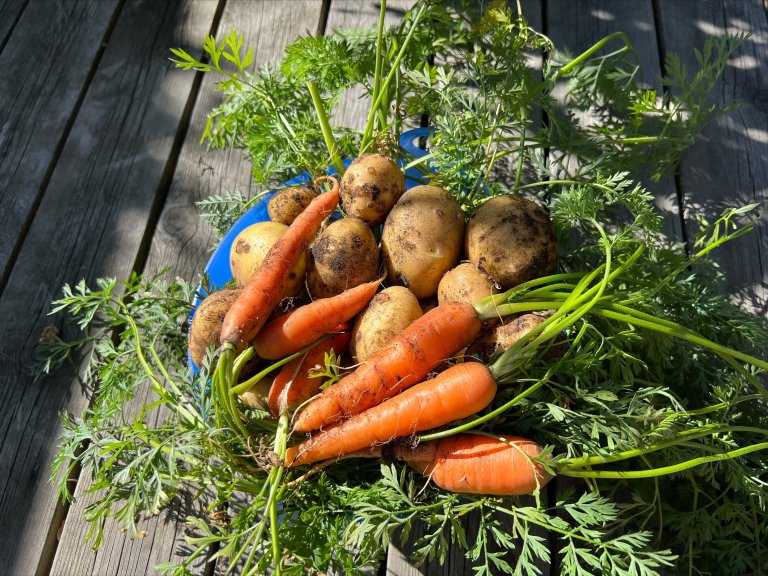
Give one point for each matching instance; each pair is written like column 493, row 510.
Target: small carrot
column 406, row 360
column 478, row 464
column 302, row 326
column 294, row 383
column 267, row 286
column 460, row 391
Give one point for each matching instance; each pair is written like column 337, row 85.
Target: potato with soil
column 206, row 323
column 344, row 256
column 389, row 313
column 249, row 249
column 497, row 337
column 422, row 239
column 465, row 283
column 286, row 204
column 512, row 239
column 371, row 186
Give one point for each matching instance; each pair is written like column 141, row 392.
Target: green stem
column 368, row 132
column 591, row 50
column 678, row 331
column 681, row 438
column 281, row 441
column 377, row 69
column 665, row 470
column 325, row 127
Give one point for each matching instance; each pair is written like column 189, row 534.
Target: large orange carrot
column 460, row 391
column 477, row 464
column 294, row 384
column 267, row 286
column 406, row 360
column 300, row 327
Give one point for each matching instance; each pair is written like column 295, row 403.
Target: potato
column 422, row 239
column 496, row 338
column 344, row 256
column 206, row 323
column 512, row 239
column 286, row 204
column 370, row 187
column 389, row 313
column 249, row 249
column 465, row 283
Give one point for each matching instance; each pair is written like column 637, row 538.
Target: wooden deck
column 100, row 167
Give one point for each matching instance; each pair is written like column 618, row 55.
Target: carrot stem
column 368, row 132
column 682, row 438
column 325, row 127
column 665, row 470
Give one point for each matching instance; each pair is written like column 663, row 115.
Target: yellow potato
column 422, row 239
column 371, row 185
column 389, row 313
column 286, row 204
column 206, row 323
column 512, row 239
column 465, row 283
column 250, row 248
column 344, row 256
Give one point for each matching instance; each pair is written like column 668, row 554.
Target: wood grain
column 595, row 19
column 46, row 65
column 181, row 242
column 89, row 224
column 10, row 12
column 728, row 166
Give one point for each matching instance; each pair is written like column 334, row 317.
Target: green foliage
column 653, row 375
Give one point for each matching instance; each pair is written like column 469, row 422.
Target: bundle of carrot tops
column 494, row 328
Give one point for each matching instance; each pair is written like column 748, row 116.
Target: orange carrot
column 294, row 384
column 267, row 286
column 460, row 391
column 476, row 464
column 300, row 327
column 406, row 360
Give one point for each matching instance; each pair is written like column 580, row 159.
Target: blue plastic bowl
column 218, row 269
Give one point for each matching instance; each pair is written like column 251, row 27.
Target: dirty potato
column 344, row 256
column 286, row 204
column 389, row 313
column 371, row 186
column 497, row 337
column 465, row 283
column 206, row 323
column 250, row 248
column 422, row 239
column 512, row 239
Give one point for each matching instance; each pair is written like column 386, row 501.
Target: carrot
column 460, row 391
column 267, row 286
column 300, row 327
column 478, row 464
column 294, row 384
column 406, row 360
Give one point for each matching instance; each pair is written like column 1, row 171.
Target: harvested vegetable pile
column 396, row 355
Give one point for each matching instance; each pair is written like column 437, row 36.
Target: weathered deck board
column 596, row 19
column 90, row 223
column 38, row 96
column 181, row 242
column 352, row 109
column 10, row 12
column 728, row 166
